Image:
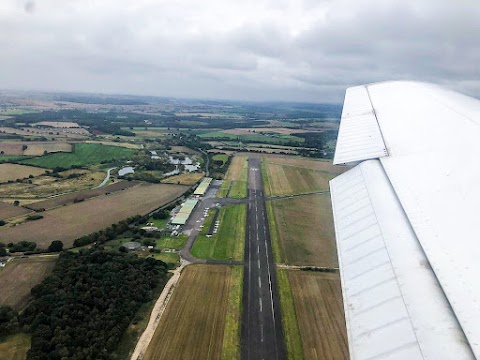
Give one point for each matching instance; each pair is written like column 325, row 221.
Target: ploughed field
column 202, row 319
column 8, row 211
column 67, row 223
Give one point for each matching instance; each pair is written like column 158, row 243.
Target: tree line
column 83, row 308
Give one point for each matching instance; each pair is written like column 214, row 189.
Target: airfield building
column 184, row 212
column 203, row 187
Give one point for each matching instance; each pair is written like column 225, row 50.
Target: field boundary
column 157, row 312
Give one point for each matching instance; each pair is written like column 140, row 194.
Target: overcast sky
column 301, row 50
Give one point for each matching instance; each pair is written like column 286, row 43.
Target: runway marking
column 261, row 333
column 261, row 304
column 259, row 282
column 258, row 261
column 258, row 249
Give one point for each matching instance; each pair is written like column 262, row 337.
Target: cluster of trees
column 161, row 214
column 22, row 246
column 29, row 247
column 9, row 321
column 83, row 308
column 217, row 167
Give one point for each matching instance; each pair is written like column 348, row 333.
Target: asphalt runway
column 262, row 335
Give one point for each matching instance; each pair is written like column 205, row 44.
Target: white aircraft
column 407, row 221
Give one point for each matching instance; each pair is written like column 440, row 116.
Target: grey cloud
column 286, row 50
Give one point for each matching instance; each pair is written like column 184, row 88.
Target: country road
column 104, row 182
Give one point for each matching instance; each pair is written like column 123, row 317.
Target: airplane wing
column 407, row 221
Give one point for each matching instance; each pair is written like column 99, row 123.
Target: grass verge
column 272, row 224
column 265, row 179
column 293, row 341
column 231, row 339
column 223, row 190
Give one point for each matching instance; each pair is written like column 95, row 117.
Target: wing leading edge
column 399, row 302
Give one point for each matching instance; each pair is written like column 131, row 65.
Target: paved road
column 207, row 172
column 104, row 182
column 262, row 336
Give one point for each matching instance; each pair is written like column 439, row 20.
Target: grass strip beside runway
column 291, row 332
column 228, row 243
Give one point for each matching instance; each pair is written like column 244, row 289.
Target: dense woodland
column 84, row 307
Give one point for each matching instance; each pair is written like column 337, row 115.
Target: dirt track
column 157, row 313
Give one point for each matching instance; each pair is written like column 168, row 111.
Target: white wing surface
column 408, row 226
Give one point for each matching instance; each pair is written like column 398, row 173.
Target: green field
column 220, row 157
column 14, row 158
column 176, row 242
column 159, row 223
column 83, row 154
column 223, row 190
column 291, row 332
column 14, row 347
column 228, row 243
column 274, row 139
column 239, row 189
column 173, row 258
column 231, row 340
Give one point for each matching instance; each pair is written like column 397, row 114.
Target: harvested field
column 288, row 180
column 14, row 347
column 183, row 149
column 193, row 324
column 68, row 223
column 8, row 211
column 45, row 186
column 272, row 151
column 320, row 316
column 287, row 175
column 280, row 130
column 14, row 171
column 11, row 148
column 33, row 148
column 20, row 276
column 81, row 196
column 73, row 133
column 57, row 124
column 303, row 228
column 115, row 143
column 226, row 152
column 38, row 149
column 237, row 173
column 297, row 161
column 184, row 179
